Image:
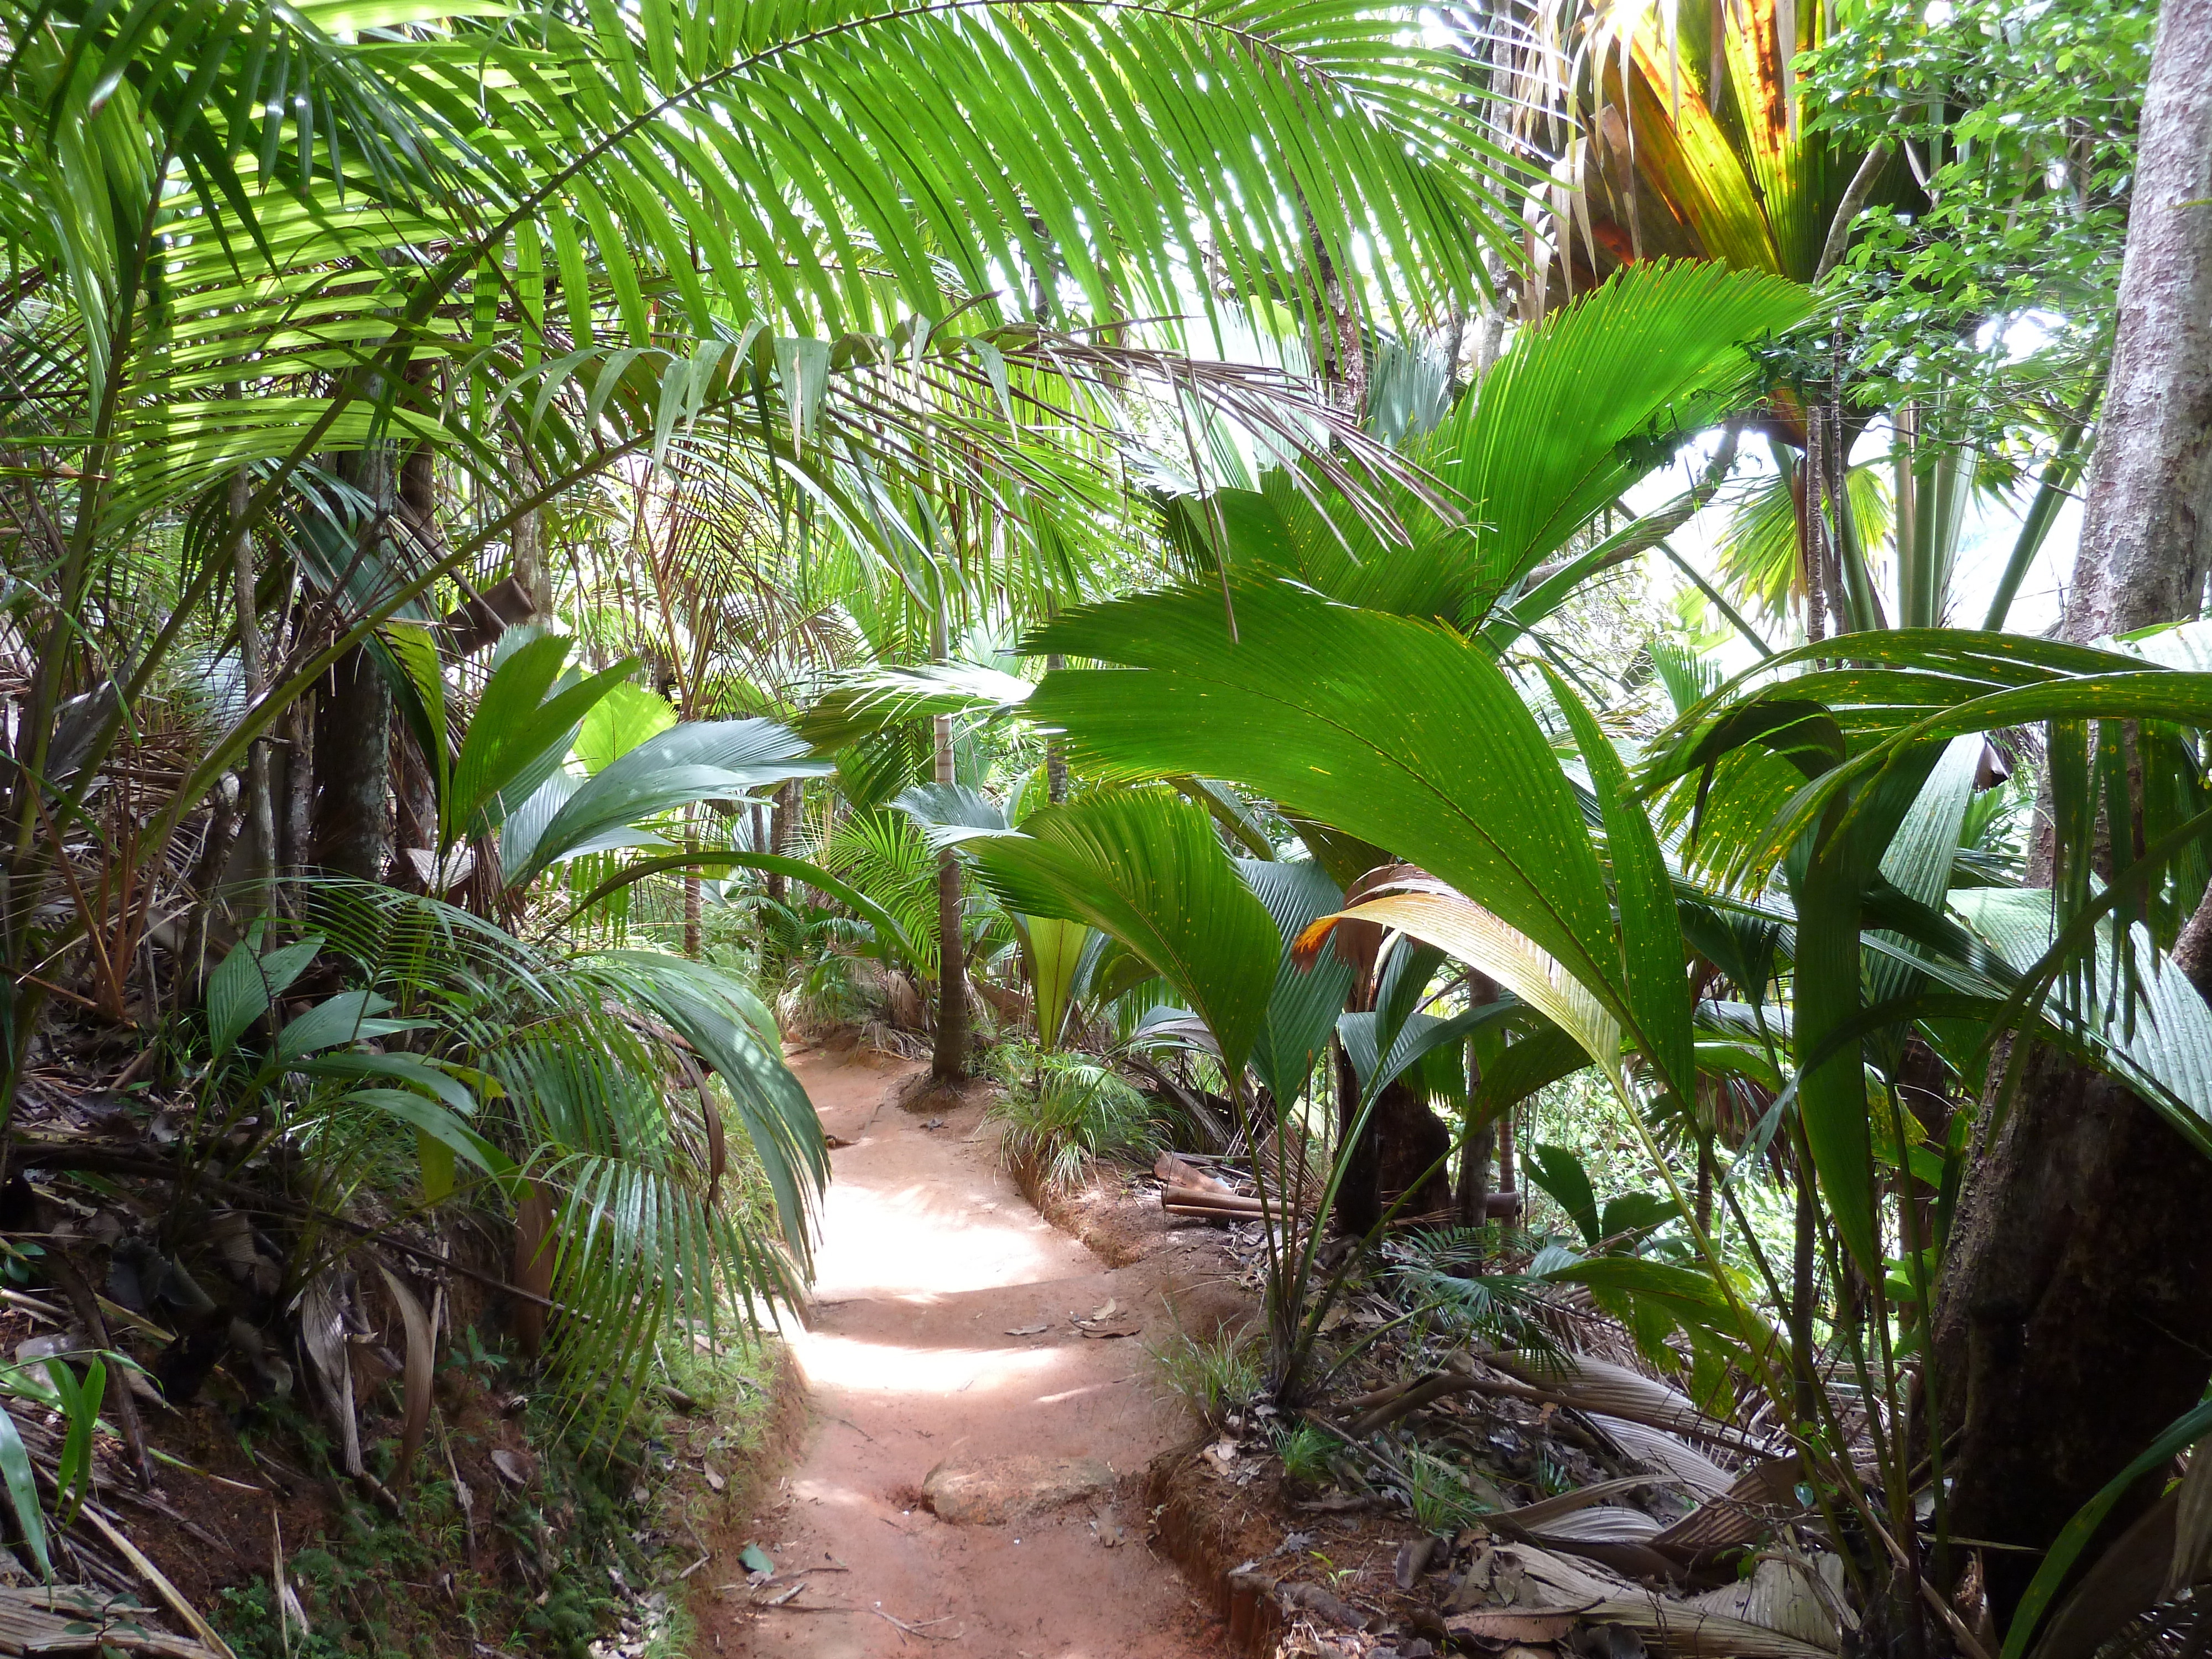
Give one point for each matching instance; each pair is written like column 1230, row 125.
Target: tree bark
column 948, row 1062
column 296, row 853
column 1403, row 1152
column 532, row 574
column 2143, row 547
column 949, row 1058
column 782, row 824
column 352, row 832
column 352, row 812
column 1055, row 748
column 1473, row 1194
column 259, row 808
column 2073, row 1323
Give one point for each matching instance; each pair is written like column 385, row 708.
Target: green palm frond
column 882, row 853
column 1577, row 412
column 1757, row 554
column 645, row 1094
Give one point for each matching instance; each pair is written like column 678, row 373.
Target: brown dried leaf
column 533, row 1265
column 2192, row 1523
column 322, row 1332
column 421, row 1348
column 1497, row 1627
column 1414, row 1556
column 513, row 1468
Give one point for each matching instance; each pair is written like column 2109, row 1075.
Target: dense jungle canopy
column 1563, row 637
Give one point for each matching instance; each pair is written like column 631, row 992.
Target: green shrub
column 1305, row 1452
column 1440, row 1498
column 1217, row 1378
column 1058, row 1112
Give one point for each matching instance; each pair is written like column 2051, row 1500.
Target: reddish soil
column 934, row 1273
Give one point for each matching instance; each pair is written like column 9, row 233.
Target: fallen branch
column 1181, row 1197
column 921, row 1629
column 1385, row 1406
column 1194, row 1201
column 81, row 1297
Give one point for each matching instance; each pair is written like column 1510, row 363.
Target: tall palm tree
column 248, row 237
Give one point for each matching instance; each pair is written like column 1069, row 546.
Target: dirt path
column 932, row 1260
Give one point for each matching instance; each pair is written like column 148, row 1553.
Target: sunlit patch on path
column 943, row 1330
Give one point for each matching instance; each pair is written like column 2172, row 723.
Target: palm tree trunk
column 352, row 833
column 527, row 543
column 259, row 808
column 352, row 809
column 1476, row 1149
column 691, row 891
column 1473, row 1192
column 2073, row 1324
column 782, row 824
column 949, row 1059
column 1055, row 748
column 296, row 853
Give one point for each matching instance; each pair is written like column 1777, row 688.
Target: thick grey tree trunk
column 2143, row 542
column 2075, row 1322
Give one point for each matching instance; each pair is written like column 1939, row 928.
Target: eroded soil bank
column 944, row 1332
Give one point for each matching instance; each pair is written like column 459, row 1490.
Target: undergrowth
column 1305, row 1450
column 1057, row 1113
column 1217, row 1377
column 586, row 1548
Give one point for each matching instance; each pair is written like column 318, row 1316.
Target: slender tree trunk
column 298, row 854
column 260, row 809
column 352, row 829
column 532, row 574
column 760, row 844
column 1476, row 1149
column 1808, row 548
column 353, row 739
column 692, row 894
column 2075, row 1324
column 1055, row 748
column 1473, row 1192
column 1490, row 324
column 782, row 825
column 949, row 1060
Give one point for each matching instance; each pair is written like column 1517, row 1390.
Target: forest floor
column 944, row 1333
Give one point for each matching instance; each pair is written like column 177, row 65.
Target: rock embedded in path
column 1003, row 1489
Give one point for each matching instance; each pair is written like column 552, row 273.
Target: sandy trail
column 931, row 1257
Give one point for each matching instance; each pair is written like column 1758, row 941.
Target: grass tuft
column 1059, row 1113
column 1217, row 1378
